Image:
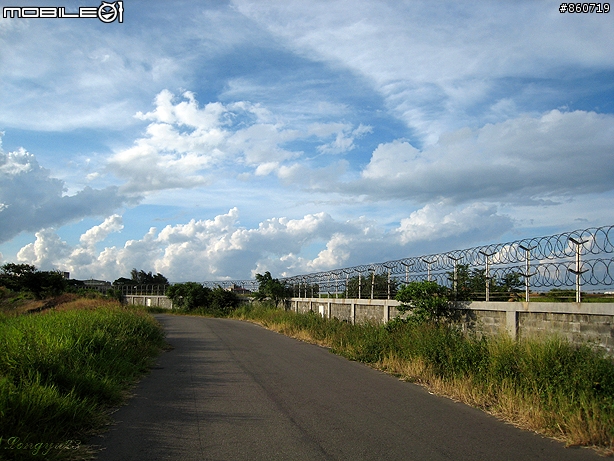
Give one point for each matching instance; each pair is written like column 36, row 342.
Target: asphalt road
column 231, row 390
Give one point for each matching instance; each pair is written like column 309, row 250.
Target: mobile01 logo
column 106, row 12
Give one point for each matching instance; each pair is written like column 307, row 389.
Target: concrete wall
column 149, row 301
column 349, row 310
column 578, row 322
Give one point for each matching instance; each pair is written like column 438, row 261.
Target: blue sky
column 214, row 140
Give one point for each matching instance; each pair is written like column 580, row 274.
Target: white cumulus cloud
column 186, row 145
column 221, row 249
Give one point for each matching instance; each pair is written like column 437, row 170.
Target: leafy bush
column 224, row 301
column 425, row 301
column 189, row 295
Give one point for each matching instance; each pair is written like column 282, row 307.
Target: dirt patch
column 17, row 304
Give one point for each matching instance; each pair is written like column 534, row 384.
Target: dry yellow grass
column 87, row 304
column 520, row 409
column 66, row 301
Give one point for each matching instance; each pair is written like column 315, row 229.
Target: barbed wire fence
column 572, row 259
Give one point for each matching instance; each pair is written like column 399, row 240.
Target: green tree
column 471, row 285
column 510, row 285
column 224, row 300
column 270, row 288
column 380, row 287
column 43, row 284
column 16, row 277
column 147, row 278
column 123, row 281
column 189, row 295
column 426, row 301
column 143, row 282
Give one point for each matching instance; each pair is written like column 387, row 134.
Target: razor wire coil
column 552, row 260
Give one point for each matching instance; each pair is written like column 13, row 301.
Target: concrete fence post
column 428, row 269
column 359, row 286
column 578, row 272
column 511, row 323
column 487, row 273
column 455, row 277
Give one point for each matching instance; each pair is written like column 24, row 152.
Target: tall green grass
column 550, row 386
column 60, row 371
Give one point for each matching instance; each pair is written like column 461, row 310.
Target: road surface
column 231, row 390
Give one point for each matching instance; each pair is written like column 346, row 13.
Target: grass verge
column 63, row 369
column 549, row 386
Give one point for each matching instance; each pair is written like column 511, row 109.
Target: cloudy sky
column 217, row 139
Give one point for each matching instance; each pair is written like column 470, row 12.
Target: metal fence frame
column 133, row 289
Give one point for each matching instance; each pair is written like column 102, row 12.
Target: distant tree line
column 26, row 278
